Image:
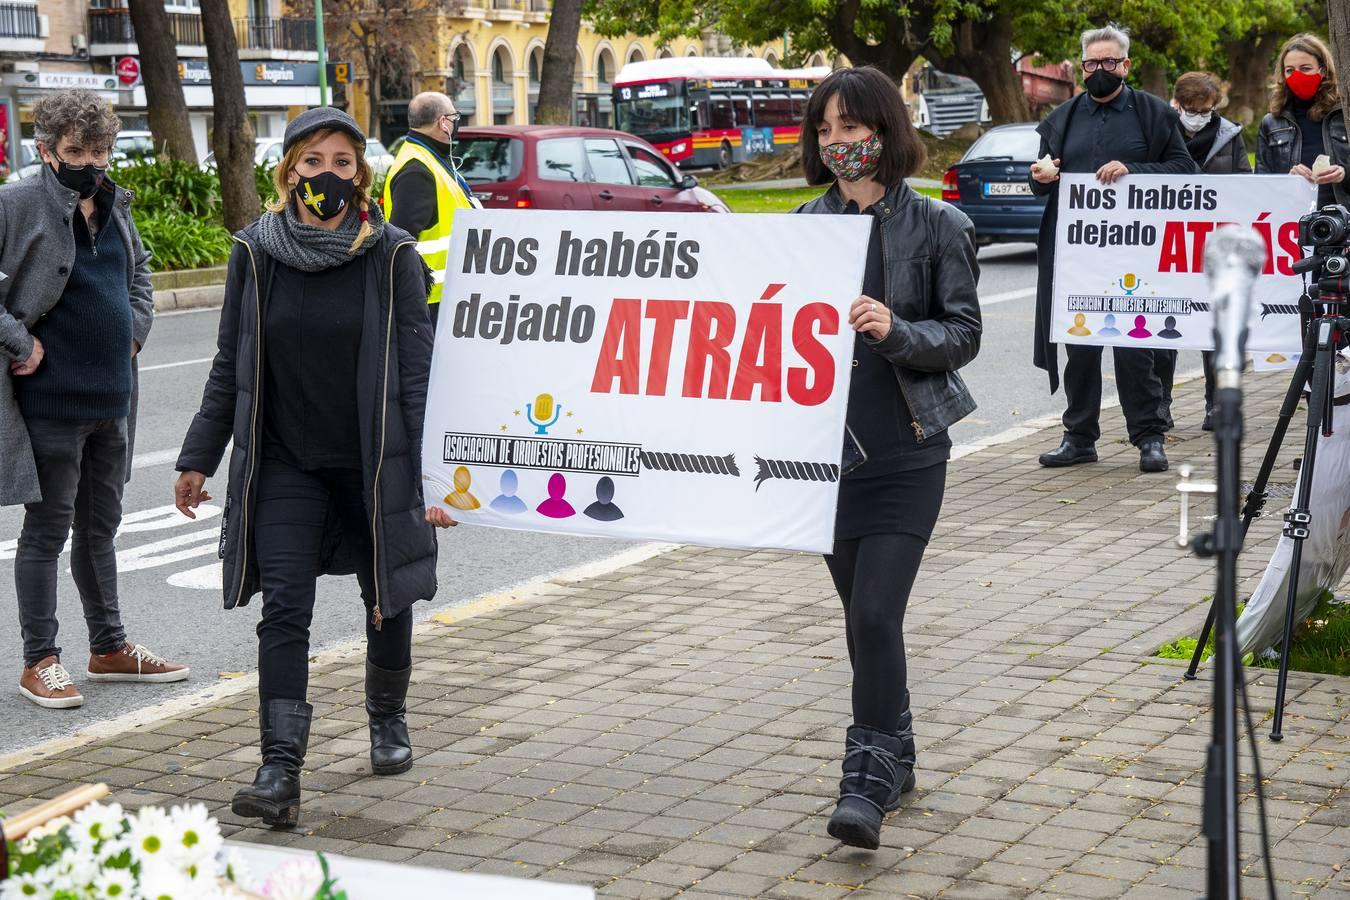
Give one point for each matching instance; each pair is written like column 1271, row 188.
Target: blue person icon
column 541, row 407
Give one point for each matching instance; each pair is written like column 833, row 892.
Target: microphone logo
column 540, row 410
column 1129, row 283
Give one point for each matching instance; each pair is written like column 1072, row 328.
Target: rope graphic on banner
column 1279, row 309
column 694, row 463
column 792, row 470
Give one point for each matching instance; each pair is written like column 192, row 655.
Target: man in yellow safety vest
column 422, row 189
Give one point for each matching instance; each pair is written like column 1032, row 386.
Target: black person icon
column 603, row 509
column 1109, row 328
column 460, row 498
column 1170, row 329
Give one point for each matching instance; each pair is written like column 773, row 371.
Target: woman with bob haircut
column 917, row 321
column 320, row 379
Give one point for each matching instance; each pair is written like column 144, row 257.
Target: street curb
column 214, row 693
column 206, row 296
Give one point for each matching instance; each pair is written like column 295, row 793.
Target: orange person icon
column 460, row 498
column 1079, row 328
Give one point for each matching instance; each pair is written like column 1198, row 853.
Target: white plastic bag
column 1326, row 552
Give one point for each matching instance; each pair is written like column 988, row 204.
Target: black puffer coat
column 393, row 366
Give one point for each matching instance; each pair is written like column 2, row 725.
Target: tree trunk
column 1250, row 62
column 1153, row 78
column 233, row 138
column 1338, row 24
column 163, row 89
column 560, row 62
column 375, row 88
column 982, row 51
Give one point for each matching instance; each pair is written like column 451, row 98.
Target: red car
column 562, row 167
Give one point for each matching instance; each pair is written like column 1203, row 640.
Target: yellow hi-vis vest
column 433, row 244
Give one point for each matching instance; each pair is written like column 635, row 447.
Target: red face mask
column 1303, row 84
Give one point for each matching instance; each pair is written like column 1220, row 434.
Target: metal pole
column 323, row 54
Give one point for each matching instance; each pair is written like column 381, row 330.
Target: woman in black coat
column 320, row 379
column 1305, row 120
column 917, row 322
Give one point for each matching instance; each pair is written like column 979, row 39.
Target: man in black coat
column 1111, row 130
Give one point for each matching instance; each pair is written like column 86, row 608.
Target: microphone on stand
column 1233, row 257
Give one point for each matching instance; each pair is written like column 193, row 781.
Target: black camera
column 1328, row 227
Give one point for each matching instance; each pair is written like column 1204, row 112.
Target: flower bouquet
column 103, row 851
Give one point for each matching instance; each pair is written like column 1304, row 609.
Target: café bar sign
column 60, row 81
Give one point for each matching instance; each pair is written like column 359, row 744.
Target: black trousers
column 1142, row 397
column 292, row 508
column 81, row 466
column 435, row 309
column 874, row 575
column 1166, row 367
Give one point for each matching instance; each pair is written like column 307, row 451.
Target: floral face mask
column 853, row 160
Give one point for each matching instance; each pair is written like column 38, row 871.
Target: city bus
column 705, row 111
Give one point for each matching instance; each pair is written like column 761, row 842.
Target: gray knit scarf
column 310, row 248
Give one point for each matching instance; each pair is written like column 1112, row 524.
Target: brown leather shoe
column 132, row 662
column 48, row 684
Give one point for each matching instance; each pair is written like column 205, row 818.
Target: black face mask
column 1102, row 83
column 85, row 180
column 325, row 194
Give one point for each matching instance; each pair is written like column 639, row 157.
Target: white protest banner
column 657, row 376
column 1129, row 258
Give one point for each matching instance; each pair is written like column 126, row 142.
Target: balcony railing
column 19, row 20
column 276, row 34
column 113, row 26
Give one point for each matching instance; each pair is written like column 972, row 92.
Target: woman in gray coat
column 1216, row 145
column 320, row 379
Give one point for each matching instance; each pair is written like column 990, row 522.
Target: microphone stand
column 1233, row 258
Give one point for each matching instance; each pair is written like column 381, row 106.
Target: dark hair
column 1195, row 88
column 868, row 96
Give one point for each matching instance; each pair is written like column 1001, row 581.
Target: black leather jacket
column 1279, row 146
column 931, row 276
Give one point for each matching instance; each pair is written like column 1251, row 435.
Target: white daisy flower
column 52, row 826
column 96, row 823
column 194, row 835
column 161, row 880
column 296, row 880
column 32, row 884
column 149, row 836
column 115, row 884
column 237, row 870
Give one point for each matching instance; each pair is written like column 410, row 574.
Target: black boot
column 871, row 772
column 386, row 704
column 274, row 795
column 905, row 781
column 1152, row 458
column 1069, row 453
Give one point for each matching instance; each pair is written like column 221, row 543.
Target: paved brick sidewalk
column 675, row 727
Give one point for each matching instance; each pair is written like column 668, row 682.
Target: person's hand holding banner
column 647, row 375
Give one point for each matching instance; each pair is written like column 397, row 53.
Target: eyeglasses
column 453, row 117
column 99, row 161
column 1109, row 64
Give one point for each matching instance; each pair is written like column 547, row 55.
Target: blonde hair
column 364, row 178
column 1328, row 96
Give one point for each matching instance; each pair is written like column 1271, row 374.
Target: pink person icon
column 556, row 506
column 1139, row 330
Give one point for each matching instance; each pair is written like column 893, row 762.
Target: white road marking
column 175, row 365
column 1004, row 297
column 204, row 578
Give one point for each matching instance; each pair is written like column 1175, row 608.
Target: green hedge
column 179, row 241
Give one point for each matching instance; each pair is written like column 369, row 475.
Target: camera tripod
column 1316, row 370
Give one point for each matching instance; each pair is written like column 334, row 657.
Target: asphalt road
column 170, row 576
